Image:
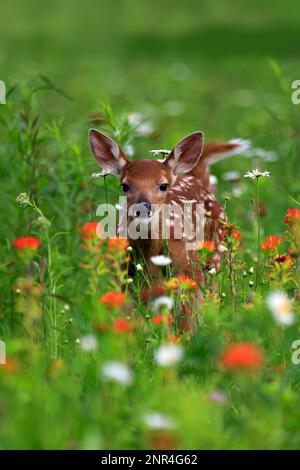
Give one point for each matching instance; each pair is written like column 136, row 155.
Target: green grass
column 227, row 72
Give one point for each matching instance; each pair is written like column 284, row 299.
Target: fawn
column 149, row 184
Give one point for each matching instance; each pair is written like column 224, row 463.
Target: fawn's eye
column 125, row 187
column 164, row 187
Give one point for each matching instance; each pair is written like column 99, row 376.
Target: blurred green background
column 223, row 67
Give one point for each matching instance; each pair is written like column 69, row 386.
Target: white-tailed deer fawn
column 183, row 176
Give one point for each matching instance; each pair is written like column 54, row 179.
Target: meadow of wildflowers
column 91, row 361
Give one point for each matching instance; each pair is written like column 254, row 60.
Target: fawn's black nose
column 143, row 209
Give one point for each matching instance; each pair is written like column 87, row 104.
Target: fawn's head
column 146, row 182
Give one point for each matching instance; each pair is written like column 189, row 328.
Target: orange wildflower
column 121, row 325
column 26, row 242
column 113, row 299
column 292, row 216
column 242, row 356
column 271, row 243
column 90, row 230
column 188, row 282
column 119, row 244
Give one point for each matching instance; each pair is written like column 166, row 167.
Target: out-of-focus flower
column 117, row 372
column 163, row 300
column 175, row 339
column 158, row 319
column 212, row 271
column 88, row 343
column 251, row 270
column 242, row 356
column 207, row 246
column 139, row 267
column 91, row 230
column 121, row 325
column 9, row 366
column 118, row 244
column 286, row 261
column 77, row 341
column 158, row 152
column 113, row 299
column 168, row 355
column 156, row 420
column 281, row 307
column 23, row 199
column 187, row 282
column 22, row 243
column 292, row 216
column 218, row 396
column 256, row 174
column 236, row 234
column 161, row 260
column 271, row 243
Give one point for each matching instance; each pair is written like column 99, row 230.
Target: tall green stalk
column 258, row 232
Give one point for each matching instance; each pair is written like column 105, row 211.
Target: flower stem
column 258, row 232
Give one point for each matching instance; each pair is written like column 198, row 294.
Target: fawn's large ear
column 186, row 153
column 107, row 153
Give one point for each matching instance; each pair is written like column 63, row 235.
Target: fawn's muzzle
column 143, row 209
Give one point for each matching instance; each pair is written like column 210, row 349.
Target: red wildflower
column 119, row 244
column 208, row 246
column 242, row 356
column 175, row 339
column 121, row 325
column 271, row 243
column 158, row 319
column 292, row 216
column 188, row 282
column 113, row 299
column 26, row 242
column 237, row 235
column 10, row 365
column 90, row 230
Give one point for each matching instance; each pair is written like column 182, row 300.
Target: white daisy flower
column 88, row 343
column 156, row 420
column 139, row 267
column 281, row 307
column 158, row 152
column 168, row 355
column 161, row 260
column 99, row 175
column 163, row 300
column 256, row 174
column 117, row 372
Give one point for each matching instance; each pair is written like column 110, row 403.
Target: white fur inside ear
column 115, row 150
